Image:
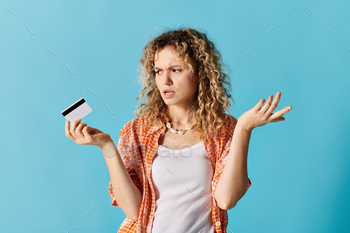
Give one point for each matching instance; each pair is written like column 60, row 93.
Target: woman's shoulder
column 137, row 126
column 134, row 122
column 226, row 129
column 229, row 125
column 229, row 120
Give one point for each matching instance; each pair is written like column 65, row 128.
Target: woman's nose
column 167, row 78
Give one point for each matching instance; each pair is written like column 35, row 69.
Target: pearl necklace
column 181, row 131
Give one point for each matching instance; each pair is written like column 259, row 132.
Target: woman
column 182, row 162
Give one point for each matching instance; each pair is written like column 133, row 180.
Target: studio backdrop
column 52, row 53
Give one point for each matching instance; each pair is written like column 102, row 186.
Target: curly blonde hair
column 192, row 47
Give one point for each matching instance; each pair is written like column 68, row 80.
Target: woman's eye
column 159, row 70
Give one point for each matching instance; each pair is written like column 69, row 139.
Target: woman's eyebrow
column 169, row 66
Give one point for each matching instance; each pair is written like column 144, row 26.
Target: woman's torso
column 182, row 176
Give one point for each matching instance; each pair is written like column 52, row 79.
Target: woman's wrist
column 240, row 126
column 109, row 149
column 105, row 143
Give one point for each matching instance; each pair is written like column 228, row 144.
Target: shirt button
column 218, row 223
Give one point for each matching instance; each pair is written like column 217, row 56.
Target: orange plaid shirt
column 137, row 146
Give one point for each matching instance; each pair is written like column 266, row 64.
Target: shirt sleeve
column 128, row 150
column 226, row 139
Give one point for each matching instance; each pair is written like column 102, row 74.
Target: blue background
column 299, row 168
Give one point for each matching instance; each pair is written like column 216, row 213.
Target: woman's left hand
column 258, row 116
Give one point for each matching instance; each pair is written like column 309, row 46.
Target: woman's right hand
column 82, row 134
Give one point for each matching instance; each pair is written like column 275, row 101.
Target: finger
column 68, row 134
column 278, row 119
column 279, row 113
column 78, row 130
column 73, row 126
column 274, row 103
column 259, row 104
column 267, row 104
column 86, row 133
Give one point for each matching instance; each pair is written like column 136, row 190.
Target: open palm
column 258, row 116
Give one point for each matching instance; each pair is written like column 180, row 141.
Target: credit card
column 77, row 110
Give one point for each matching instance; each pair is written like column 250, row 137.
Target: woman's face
column 172, row 74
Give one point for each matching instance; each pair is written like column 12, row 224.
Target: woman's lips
column 168, row 95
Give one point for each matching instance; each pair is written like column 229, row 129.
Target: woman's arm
column 126, row 193
column 233, row 180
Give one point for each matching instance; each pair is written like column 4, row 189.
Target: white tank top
column 182, row 184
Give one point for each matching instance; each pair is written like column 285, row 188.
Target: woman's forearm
column 126, row 193
column 234, row 178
